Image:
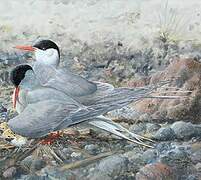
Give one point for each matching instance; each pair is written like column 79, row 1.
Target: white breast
column 22, row 101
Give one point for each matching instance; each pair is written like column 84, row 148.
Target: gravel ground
column 84, row 153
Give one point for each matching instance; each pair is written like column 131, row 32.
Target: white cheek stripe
column 49, row 57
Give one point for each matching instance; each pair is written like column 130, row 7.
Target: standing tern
column 51, row 99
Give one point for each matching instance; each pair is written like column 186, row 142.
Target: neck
column 51, row 62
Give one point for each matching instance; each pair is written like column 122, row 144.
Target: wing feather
column 64, row 81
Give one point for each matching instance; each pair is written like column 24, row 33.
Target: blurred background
column 140, row 36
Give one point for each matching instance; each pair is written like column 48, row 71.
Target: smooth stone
column 138, row 128
column 109, row 167
column 183, row 130
column 55, row 173
column 91, row 148
column 163, row 147
column 150, row 155
column 196, row 156
column 38, row 164
column 165, row 134
column 136, row 160
column 152, row 127
column 10, row 172
column 153, row 171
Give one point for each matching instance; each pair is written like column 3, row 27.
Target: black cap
column 46, row 44
column 18, row 73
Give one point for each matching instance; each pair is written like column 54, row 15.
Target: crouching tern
column 50, row 99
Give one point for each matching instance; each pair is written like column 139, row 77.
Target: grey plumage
column 56, row 100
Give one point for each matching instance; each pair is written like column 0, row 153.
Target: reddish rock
column 186, row 75
column 156, row 171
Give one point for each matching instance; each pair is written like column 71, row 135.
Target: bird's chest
column 21, row 101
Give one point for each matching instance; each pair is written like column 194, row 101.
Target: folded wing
column 64, row 81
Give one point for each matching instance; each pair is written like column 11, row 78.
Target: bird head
column 46, row 52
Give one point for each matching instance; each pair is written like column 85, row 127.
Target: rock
column 198, row 166
column 2, row 109
column 91, row 148
column 10, row 172
column 33, row 163
column 67, row 152
column 157, row 171
column 38, row 164
column 185, row 74
column 77, row 155
column 179, row 160
column 196, row 156
column 136, row 160
column 163, row 147
column 27, row 162
column 192, row 177
column 109, row 167
column 183, row 130
column 197, row 131
column 31, row 177
column 152, row 127
column 55, row 173
column 138, row 128
column 150, row 156
column 171, row 157
column 164, row 134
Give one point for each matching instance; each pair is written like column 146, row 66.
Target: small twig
column 26, row 153
column 85, row 162
column 57, row 158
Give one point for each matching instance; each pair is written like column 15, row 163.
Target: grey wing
column 64, row 81
column 39, row 119
column 103, row 89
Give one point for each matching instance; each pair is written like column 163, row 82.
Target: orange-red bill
column 26, row 48
column 15, row 96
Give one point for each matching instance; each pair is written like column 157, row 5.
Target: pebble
column 91, row 149
column 27, row 161
column 198, row 166
column 38, row 164
column 10, row 172
column 56, row 174
column 165, row 134
column 191, row 177
column 31, row 177
column 183, row 130
column 152, row 127
column 109, row 167
column 196, row 156
column 2, row 109
column 179, row 160
column 138, row 128
column 158, row 171
column 33, row 163
column 162, row 147
column 150, row 156
column 67, row 152
column 136, row 160
column 76, row 155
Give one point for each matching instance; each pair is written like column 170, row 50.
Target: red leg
column 51, row 138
